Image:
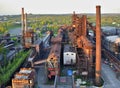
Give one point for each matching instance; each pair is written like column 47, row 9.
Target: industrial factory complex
column 72, row 58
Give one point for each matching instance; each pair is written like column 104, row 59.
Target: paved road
column 109, row 77
column 41, row 78
column 41, row 73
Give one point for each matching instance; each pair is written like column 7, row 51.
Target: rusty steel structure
column 23, row 26
column 88, row 54
column 27, row 34
column 53, row 60
column 84, row 46
column 24, row 78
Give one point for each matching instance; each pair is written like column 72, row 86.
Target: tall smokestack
column 22, row 21
column 23, row 26
column 84, row 25
column 98, row 46
column 73, row 12
column 25, row 22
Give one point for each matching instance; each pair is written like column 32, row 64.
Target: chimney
column 25, row 22
column 98, row 46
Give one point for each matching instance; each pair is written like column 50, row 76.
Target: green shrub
column 8, row 70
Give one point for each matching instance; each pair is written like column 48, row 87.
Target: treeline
column 44, row 23
column 3, row 28
column 107, row 20
column 53, row 22
column 7, row 71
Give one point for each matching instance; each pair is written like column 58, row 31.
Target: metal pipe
column 55, row 82
column 98, row 46
column 73, row 13
column 84, row 25
column 25, row 22
column 22, row 20
column 23, row 26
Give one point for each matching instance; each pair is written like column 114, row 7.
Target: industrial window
column 67, row 54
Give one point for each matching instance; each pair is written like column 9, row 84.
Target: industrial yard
column 74, row 55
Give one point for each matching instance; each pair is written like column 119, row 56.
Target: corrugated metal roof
column 24, row 74
column 68, row 48
column 108, row 28
column 114, row 38
column 21, row 76
column 25, row 71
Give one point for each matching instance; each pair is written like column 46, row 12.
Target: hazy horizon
column 61, row 14
column 13, row 7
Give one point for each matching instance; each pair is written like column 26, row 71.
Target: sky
column 13, row 7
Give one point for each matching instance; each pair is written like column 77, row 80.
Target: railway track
column 113, row 60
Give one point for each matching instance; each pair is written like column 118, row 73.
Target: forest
column 53, row 22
